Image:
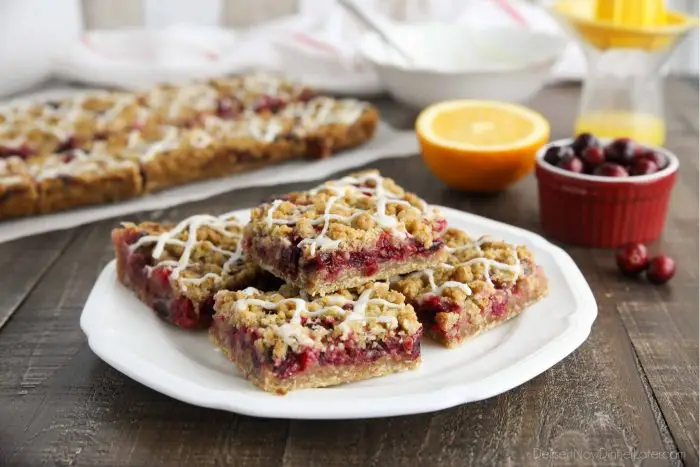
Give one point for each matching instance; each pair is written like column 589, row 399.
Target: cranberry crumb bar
column 80, row 178
column 18, row 196
column 176, row 270
column 345, row 233
column 282, row 343
column 484, row 283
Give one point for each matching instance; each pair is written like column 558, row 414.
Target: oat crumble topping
column 473, row 266
column 372, row 313
column 347, row 214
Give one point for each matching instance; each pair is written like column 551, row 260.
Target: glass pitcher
column 626, row 44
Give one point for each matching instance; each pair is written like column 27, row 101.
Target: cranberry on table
column 593, row 156
column 661, row 269
column 571, row 163
column 621, row 151
column 610, row 169
column 583, row 142
column 632, row 259
column 643, row 167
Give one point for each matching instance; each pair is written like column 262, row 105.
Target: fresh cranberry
column 643, row 167
column 632, row 259
column 555, row 154
column 647, row 154
column 593, row 156
column 610, row 169
column 621, row 151
column 571, row 163
column 583, row 142
column 661, row 269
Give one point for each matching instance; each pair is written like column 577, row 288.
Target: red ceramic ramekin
column 603, row 212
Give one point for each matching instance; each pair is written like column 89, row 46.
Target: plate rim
column 265, row 405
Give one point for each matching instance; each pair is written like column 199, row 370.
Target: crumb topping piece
column 473, row 266
column 370, row 314
column 13, row 171
column 349, row 212
column 77, row 162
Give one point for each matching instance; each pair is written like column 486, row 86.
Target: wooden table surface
column 629, row 394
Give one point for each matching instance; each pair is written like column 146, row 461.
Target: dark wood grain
column 23, row 264
column 631, row 390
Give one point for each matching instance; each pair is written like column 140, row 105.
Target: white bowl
column 456, row 62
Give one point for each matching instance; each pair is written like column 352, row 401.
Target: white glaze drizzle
column 200, row 139
column 489, row 263
column 192, row 225
column 169, row 142
column 341, row 188
column 97, row 160
column 292, row 331
column 112, row 113
column 8, row 178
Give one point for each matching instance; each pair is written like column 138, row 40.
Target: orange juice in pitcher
column 626, row 44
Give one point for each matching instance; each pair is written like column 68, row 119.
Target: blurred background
column 32, row 54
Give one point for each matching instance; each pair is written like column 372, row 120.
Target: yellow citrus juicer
column 626, row 44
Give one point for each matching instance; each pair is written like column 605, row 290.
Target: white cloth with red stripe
column 318, row 46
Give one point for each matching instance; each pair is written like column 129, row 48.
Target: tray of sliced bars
column 330, row 285
column 102, row 147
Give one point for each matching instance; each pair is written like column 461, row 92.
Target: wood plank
column 662, row 322
column 24, row 262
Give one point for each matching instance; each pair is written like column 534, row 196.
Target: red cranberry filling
column 269, row 103
column 155, row 285
column 228, row 107
column 440, row 226
column 23, row 151
column 499, row 306
column 288, row 261
column 332, row 264
column 243, row 339
column 67, row 145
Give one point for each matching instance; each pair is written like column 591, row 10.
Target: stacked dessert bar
column 330, row 285
column 102, row 147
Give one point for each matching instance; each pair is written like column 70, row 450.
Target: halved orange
column 480, row 146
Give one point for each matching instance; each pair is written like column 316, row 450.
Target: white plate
column 184, row 365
